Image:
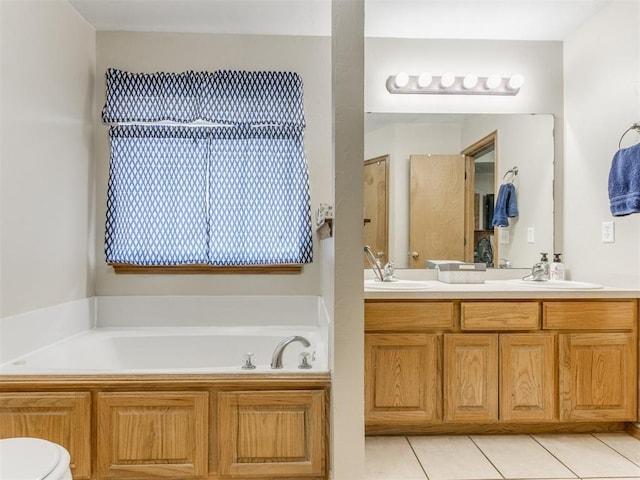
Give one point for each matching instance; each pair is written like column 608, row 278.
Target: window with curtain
column 207, row 169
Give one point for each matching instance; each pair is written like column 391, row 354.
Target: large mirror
column 407, row 155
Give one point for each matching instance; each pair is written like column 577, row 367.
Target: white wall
column 602, row 99
column 47, row 117
column 174, row 52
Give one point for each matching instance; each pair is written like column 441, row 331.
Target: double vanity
column 500, row 356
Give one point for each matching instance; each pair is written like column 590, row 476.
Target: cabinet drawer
column 482, row 316
column 594, row 315
column 408, row 316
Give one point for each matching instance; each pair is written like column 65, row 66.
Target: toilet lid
column 27, row 458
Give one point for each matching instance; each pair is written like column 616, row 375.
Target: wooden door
column 527, row 377
column 152, row 434
column 376, row 207
column 271, row 434
column 62, row 418
column 598, row 376
column 438, row 217
column 401, row 378
column 470, row 378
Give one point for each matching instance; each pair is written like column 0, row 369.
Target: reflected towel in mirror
column 506, row 205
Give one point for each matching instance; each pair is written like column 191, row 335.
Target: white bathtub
column 156, row 350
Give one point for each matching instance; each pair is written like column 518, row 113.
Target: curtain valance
column 225, row 97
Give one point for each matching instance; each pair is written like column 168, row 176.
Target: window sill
column 289, row 268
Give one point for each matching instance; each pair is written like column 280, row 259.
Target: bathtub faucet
column 276, row 359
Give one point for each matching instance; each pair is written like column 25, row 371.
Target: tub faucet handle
column 248, row 361
column 304, row 360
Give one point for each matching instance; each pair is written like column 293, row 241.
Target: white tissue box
column 462, row 272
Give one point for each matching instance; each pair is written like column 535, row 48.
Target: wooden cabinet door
column 271, row 434
column 62, row 418
column 527, row 377
column 470, row 378
column 401, row 378
column 152, row 434
column 598, row 376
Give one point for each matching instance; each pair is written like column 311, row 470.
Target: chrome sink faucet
column 382, row 274
column 539, row 272
column 276, row 358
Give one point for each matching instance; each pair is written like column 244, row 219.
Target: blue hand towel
column 624, row 182
column 506, row 205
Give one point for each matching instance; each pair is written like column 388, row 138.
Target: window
column 208, row 170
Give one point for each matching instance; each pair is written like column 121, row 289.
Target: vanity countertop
column 502, row 287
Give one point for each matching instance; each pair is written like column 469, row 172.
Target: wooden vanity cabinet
column 402, row 381
column 60, row 417
column 508, row 363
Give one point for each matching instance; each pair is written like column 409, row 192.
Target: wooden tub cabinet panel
column 152, row 434
column 60, row 417
column 270, row 434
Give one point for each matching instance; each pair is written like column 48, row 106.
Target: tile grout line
column 485, row 456
column 619, row 453
column 554, row 456
column 417, row 458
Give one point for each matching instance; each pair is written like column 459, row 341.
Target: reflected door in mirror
column 437, row 206
column 376, row 207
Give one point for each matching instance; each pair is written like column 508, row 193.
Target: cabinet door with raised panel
column 272, row 434
column 152, row 434
column 401, row 378
column 60, row 417
column 527, row 377
column 471, row 378
column 598, row 376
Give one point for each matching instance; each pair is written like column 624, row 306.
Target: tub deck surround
column 169, row 369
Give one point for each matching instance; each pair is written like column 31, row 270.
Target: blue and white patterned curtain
column 230, row 194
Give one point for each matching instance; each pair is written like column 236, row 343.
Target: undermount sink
column 396, row 285
column 557, row 284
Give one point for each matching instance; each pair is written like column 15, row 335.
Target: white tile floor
column 488, row 457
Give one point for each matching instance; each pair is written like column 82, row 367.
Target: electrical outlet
column 608, row 232
column 531, row 235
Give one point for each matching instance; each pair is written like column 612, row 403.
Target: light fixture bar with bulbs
column 450, row 84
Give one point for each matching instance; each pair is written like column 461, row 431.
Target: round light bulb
column 515, row 82
column 401, row 80
column 424, row 80
column 447, row 80
column 470, row 81
column 493, row 81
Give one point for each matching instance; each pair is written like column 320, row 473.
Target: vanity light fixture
column 448, row 83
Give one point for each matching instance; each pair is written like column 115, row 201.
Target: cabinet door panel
column 62, row 418
column 598, row 376
column 492, row 316
column 401, row 378
column 152, row 434
column 590, row 315
column 274, row 434
column 471, row 378
column 527, row 377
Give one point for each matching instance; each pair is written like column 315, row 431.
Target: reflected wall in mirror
column 522, row 141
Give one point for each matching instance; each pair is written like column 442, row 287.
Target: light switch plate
column 503, row 236
column 531, row 235
column 608, row 232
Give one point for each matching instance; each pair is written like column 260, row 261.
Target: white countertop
column 493, row 288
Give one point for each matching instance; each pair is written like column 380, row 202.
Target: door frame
column 383, row 159
column 470, row 153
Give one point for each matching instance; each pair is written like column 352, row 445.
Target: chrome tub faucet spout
column 276, row 358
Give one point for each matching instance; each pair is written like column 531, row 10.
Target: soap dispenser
column 556, row 269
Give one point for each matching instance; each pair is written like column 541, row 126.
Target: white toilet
column 33, row 459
